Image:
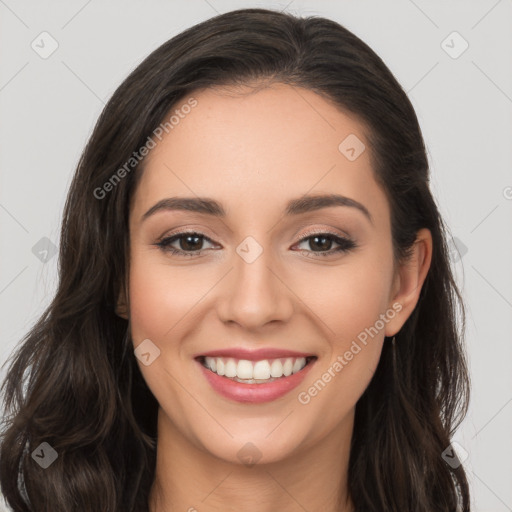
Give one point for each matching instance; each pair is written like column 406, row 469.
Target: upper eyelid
column 184, row 233
column 324, row 231
column 304, row 236
column 304, row 224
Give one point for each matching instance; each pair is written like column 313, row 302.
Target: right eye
column 188, row 242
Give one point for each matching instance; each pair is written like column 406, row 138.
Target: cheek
column 351, row 303
column 162, row 302
column 351, row 309
column 349, row 299
column 160, row 298
column 363, row 298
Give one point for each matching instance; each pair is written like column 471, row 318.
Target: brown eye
column 189, row 243
column 322, row 243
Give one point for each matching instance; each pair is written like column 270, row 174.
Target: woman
column 255, row 308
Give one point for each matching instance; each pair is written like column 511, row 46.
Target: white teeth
column 230, row 368
column 288, row 367
column 261, row 370
column 211, row 363
column 264, row 370
column 276, row 368
column 220, row 367
column 244, row 369
column 298, row 365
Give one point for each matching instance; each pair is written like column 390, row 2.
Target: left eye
column 190, row 244
column 324, row 242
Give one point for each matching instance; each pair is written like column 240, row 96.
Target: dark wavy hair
column 73, row 381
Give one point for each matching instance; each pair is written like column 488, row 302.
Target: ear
column 122, row 304
column 409, row 279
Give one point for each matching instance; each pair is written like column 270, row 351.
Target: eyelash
column 345, row 244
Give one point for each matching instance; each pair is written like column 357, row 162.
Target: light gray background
column 48, row 108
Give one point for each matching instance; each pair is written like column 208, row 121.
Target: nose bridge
column 256, row 295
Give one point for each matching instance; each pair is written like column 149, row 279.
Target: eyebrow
column 208, row 206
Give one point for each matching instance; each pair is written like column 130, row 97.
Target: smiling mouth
column 255, row 372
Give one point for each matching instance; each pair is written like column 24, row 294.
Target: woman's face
column 262, row 279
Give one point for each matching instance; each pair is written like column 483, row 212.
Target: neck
column 188, row 479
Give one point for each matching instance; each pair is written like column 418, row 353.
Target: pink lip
column 253, row 355
column 254, row 393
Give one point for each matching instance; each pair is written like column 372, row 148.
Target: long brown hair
column 74, row 383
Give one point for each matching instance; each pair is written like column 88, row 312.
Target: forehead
column 260, row 146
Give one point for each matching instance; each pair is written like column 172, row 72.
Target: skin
column 253, row 150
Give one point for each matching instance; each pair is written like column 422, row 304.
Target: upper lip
column 253, row 355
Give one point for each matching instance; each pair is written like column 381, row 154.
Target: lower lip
column 255, row 393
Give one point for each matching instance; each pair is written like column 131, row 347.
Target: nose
column 254, row 294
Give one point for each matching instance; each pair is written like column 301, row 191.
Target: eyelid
column 189, row 230
column 344, row 240
column 309, row 232
column 177, row 234
column 324, row 231
column 345, row 243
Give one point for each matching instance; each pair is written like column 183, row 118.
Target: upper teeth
column 261, row 370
